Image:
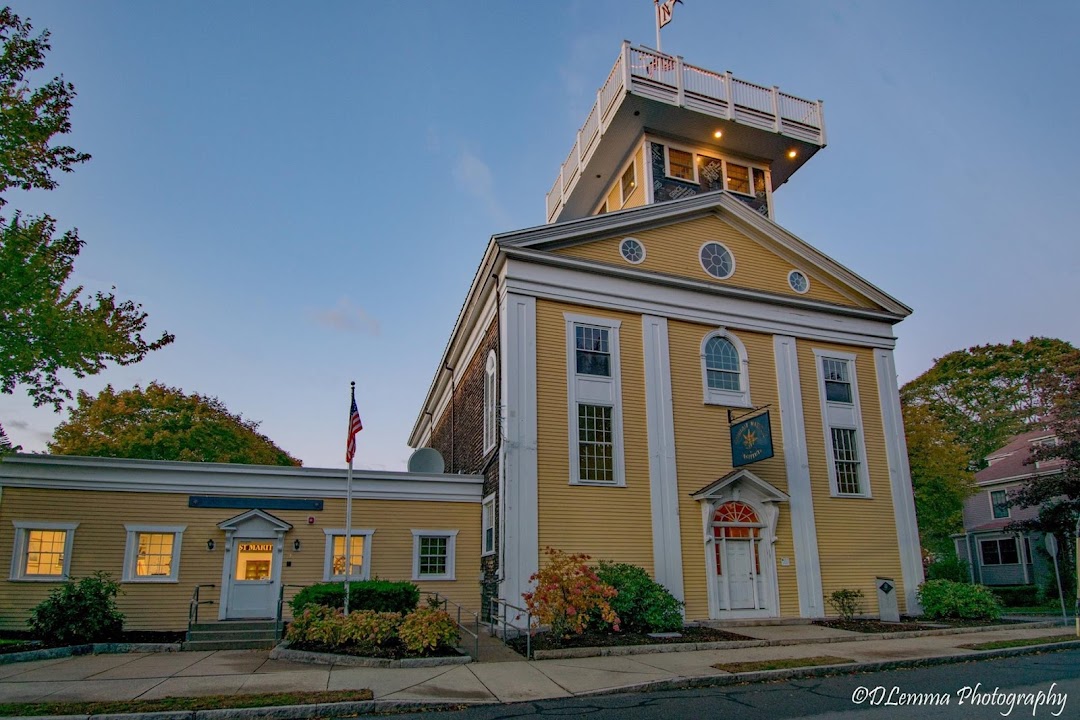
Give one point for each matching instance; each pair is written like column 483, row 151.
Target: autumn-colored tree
column 163, row 423
column 989, row 393
column 46, row 327
column 940, row 475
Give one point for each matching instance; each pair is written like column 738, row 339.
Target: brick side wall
column 459, row 437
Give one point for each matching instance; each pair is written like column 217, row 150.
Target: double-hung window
column 999, row 504
column 359, row 555
column 842, row 421
column 595, row 400
column 152, row 553
column 433, row 554
column 42, row 551
column 487, row 525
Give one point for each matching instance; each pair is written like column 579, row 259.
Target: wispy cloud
column 474, row 177
column 20, row 424
column 348, row 318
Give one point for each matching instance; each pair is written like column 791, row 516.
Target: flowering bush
column 317, row 624
column 567, row 593
column 369, row 629
column 426, row 629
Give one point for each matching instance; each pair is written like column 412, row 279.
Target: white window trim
column 729, row 398
column 864, row 463
column 792, row 285
column 18, row 550
column 633, row 169
column 491, row 408
column 644, row 252
column 730, row 254
column 998, row 540
column 451, row 542
column 131, row 552
column 328, row 553
column 612, row 326
column 489, row 501
column 693, row 164
column 1008, row 510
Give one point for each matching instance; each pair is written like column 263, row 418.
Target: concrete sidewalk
column 227, row 672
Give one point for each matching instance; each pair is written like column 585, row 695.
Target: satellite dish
column 427, row 460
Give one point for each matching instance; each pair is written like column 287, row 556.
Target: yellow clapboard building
column 663, row 375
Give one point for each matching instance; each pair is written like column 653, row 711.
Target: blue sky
column 301, row 192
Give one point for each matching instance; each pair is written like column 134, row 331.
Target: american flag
column 355, row 426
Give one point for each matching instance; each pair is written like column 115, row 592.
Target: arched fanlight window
column 724, row 370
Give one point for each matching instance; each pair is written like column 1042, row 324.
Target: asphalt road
column 924, row 690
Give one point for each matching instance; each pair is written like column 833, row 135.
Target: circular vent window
column 717, row 260
column 798, row 281
column 632, row 250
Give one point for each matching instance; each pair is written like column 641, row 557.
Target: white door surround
column 739, row 557
column 255, row 538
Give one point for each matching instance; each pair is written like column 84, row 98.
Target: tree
column 6, row 448
column 45, row 328
column 940, row 476
column 989, row 393
column 163, row 423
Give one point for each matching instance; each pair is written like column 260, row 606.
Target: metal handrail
column 495, row 604
column 474, row 633
column 193, row 606
column 279, row 619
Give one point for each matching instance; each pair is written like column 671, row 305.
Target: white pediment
column 738, row 482
column 255, row 523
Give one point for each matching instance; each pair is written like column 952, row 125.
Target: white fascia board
column 159, row 476
column 1018, row 478
column 569, row 280
column 466, row 320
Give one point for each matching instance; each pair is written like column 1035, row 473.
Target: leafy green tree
column 163, row 423
column 988, row 393
column 940, row 477
column 45, row 328
column 6, row 448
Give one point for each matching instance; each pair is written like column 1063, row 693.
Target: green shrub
column 80, row 612
column 367, row 629
column 1017, row 595
column 423, row 631
column 947, row 599
column 303, row 624
column 951, row 568
column 377, row 595
column 846, row 602
column 643, row 605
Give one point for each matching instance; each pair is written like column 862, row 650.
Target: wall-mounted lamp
column 296, row 544
column 210, row 544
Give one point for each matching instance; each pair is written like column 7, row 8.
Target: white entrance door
column 740, row 574
column 253, row 588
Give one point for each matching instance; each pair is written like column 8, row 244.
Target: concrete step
column 234, row 625
column 229, row 644
column 233, row 635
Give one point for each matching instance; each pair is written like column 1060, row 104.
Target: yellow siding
column 100, row 539
column 856, row 536
column 637, row 197
column 674, row 250
column 703, row 454
column 609, row 523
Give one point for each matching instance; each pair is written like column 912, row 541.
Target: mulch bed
column 390, row 651
column 26, row 642
column 905, row 624
column 542, row 641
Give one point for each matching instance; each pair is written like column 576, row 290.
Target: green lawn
column 1020, row 642
column 781, row 664
column 183, row 703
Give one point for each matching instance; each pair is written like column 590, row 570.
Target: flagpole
column 657, row 13
column 348, row 508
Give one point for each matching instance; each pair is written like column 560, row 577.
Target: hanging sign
column 751, row 440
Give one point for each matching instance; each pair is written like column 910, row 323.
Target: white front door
column 252, row 591
column 740, row 574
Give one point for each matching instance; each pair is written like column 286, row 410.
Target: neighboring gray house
column 997, row 557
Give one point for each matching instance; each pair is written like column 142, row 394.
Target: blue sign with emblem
column 751, row 440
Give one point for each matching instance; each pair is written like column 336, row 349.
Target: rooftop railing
column 667, row 78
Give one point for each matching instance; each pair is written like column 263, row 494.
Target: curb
column 94, row 649
column 275, row 712
column 283, row 652
column 827, row 670
column 620, row 650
